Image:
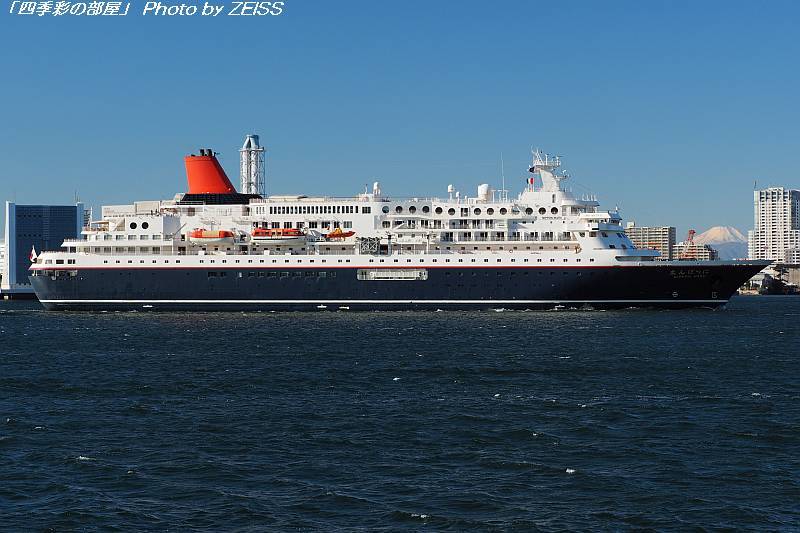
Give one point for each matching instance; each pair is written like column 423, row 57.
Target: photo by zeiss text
column 234, row 9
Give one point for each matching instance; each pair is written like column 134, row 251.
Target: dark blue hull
column 234, row 289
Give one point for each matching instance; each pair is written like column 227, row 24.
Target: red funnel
column 205, row 175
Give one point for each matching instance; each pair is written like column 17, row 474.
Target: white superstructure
column 543, row 224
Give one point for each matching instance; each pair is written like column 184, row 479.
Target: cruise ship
column 215, row 248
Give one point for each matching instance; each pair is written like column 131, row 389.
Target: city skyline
column 670, row 118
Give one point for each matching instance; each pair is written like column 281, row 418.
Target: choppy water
column 484, row 420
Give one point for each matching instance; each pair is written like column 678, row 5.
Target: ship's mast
column 545, row 165
column 251, row 166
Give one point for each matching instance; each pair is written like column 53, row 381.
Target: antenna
column 503, row 194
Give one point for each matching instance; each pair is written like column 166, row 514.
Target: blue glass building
column 43, row 227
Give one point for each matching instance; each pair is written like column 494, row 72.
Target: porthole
column 426, row 209
column 133, row 225
column 529, row 211
column 438, row 210
column 451, row 211
column 542, row 211
column 398, row 209
column 554, row 211
column 477, row 211
column 386, row 209
column 145, row 225
column 490, row 211
column 412, row 209
column 503, row 210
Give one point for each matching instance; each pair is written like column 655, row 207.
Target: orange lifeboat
column 338, row 234
column 204, row 236
column 277, row 234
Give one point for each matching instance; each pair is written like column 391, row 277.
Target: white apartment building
column 659, row 238
column 776, row 233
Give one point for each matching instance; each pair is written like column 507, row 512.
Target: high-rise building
column 777, row 224
column 34, row 227
column 660, row 238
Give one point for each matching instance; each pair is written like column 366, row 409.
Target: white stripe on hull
column 381, row 301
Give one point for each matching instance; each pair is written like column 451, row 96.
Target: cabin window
column 542, row 211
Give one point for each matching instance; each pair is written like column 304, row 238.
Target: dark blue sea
column 563, row 420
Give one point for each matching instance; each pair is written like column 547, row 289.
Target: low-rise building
column 694, row 251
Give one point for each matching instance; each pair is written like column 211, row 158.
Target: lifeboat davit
column 204, row 236
column 338, row 234
column 277, row 235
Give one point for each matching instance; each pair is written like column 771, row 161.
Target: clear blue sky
column 668, row 109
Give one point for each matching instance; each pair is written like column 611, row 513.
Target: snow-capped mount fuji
column 727, row 240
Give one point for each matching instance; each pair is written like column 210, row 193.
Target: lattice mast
column 251, row 166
